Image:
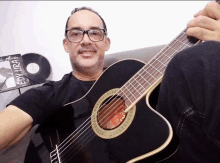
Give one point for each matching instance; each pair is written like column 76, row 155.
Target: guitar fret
column 134, row 87
column 184, row 45
column 189, row 40
column 144, row 82
column 157, row 70
column 125, row 97
column 147, row 77
column 182, row 36
column 182, row 42
column 152, row 71
column 167, row 52
column 130, row 93
column 160, row 62
column 162, row 67
column 173, row 48
column 164, row 59
column 143, row 78
column 153, row 63
column 139, row 84
column 171, row 52
column 150, row 74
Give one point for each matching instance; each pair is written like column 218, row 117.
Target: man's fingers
column 203, row 34
column 212, row 10
column 205, row 22
column 199, row 13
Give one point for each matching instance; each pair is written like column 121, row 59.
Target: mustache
column 90, row 49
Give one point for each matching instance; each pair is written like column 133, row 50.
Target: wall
column 38, row 27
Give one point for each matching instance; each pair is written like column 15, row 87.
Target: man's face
column 86, row 54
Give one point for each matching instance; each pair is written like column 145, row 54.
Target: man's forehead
column 80, row 28
column 85, row 18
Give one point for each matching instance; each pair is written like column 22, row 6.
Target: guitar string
column 159, row 71
column 90, row 134
column 83, row 143
column 134, row 95
column 70, row 135
column 134, row 78
column 134, row 89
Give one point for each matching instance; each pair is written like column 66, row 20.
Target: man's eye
column 95, row 33
column 75, row 34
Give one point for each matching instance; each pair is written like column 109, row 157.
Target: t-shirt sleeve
column 37, row 102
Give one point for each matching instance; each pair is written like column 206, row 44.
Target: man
column 189, row 93
column 86, row 42
column 87, row 62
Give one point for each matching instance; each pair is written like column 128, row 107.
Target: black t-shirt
column 42, row 101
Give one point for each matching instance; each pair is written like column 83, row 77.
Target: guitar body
column 143, row 135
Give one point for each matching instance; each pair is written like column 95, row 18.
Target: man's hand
column 206, row 23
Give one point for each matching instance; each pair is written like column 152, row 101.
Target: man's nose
column 86, row 39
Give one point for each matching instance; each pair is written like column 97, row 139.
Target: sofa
column 16, row 153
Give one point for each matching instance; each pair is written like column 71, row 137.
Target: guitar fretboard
column 154, row 69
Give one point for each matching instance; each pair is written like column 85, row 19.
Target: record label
column 33, row 68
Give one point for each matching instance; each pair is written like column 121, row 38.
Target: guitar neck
column 158, row 64
column 153, row 71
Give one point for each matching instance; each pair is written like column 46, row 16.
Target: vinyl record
column 37, row 68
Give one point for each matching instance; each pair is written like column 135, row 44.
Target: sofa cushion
column 143, row 54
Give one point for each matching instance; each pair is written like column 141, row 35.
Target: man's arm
column 14, row 125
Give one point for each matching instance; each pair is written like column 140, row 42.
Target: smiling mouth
column 87, row 51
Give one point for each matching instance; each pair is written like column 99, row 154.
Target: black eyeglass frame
column 86, row 32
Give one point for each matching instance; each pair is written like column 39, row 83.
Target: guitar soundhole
column 111, row 114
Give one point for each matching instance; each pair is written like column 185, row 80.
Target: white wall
column 39, row 26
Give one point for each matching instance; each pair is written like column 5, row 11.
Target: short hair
column 89, row 9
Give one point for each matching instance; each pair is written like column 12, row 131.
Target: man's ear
column 108, row 43
column 65, row 45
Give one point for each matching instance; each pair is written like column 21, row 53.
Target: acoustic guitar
column 122, row 122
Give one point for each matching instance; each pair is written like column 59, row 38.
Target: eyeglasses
column 95, row 35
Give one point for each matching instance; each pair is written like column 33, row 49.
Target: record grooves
column 37, row 68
